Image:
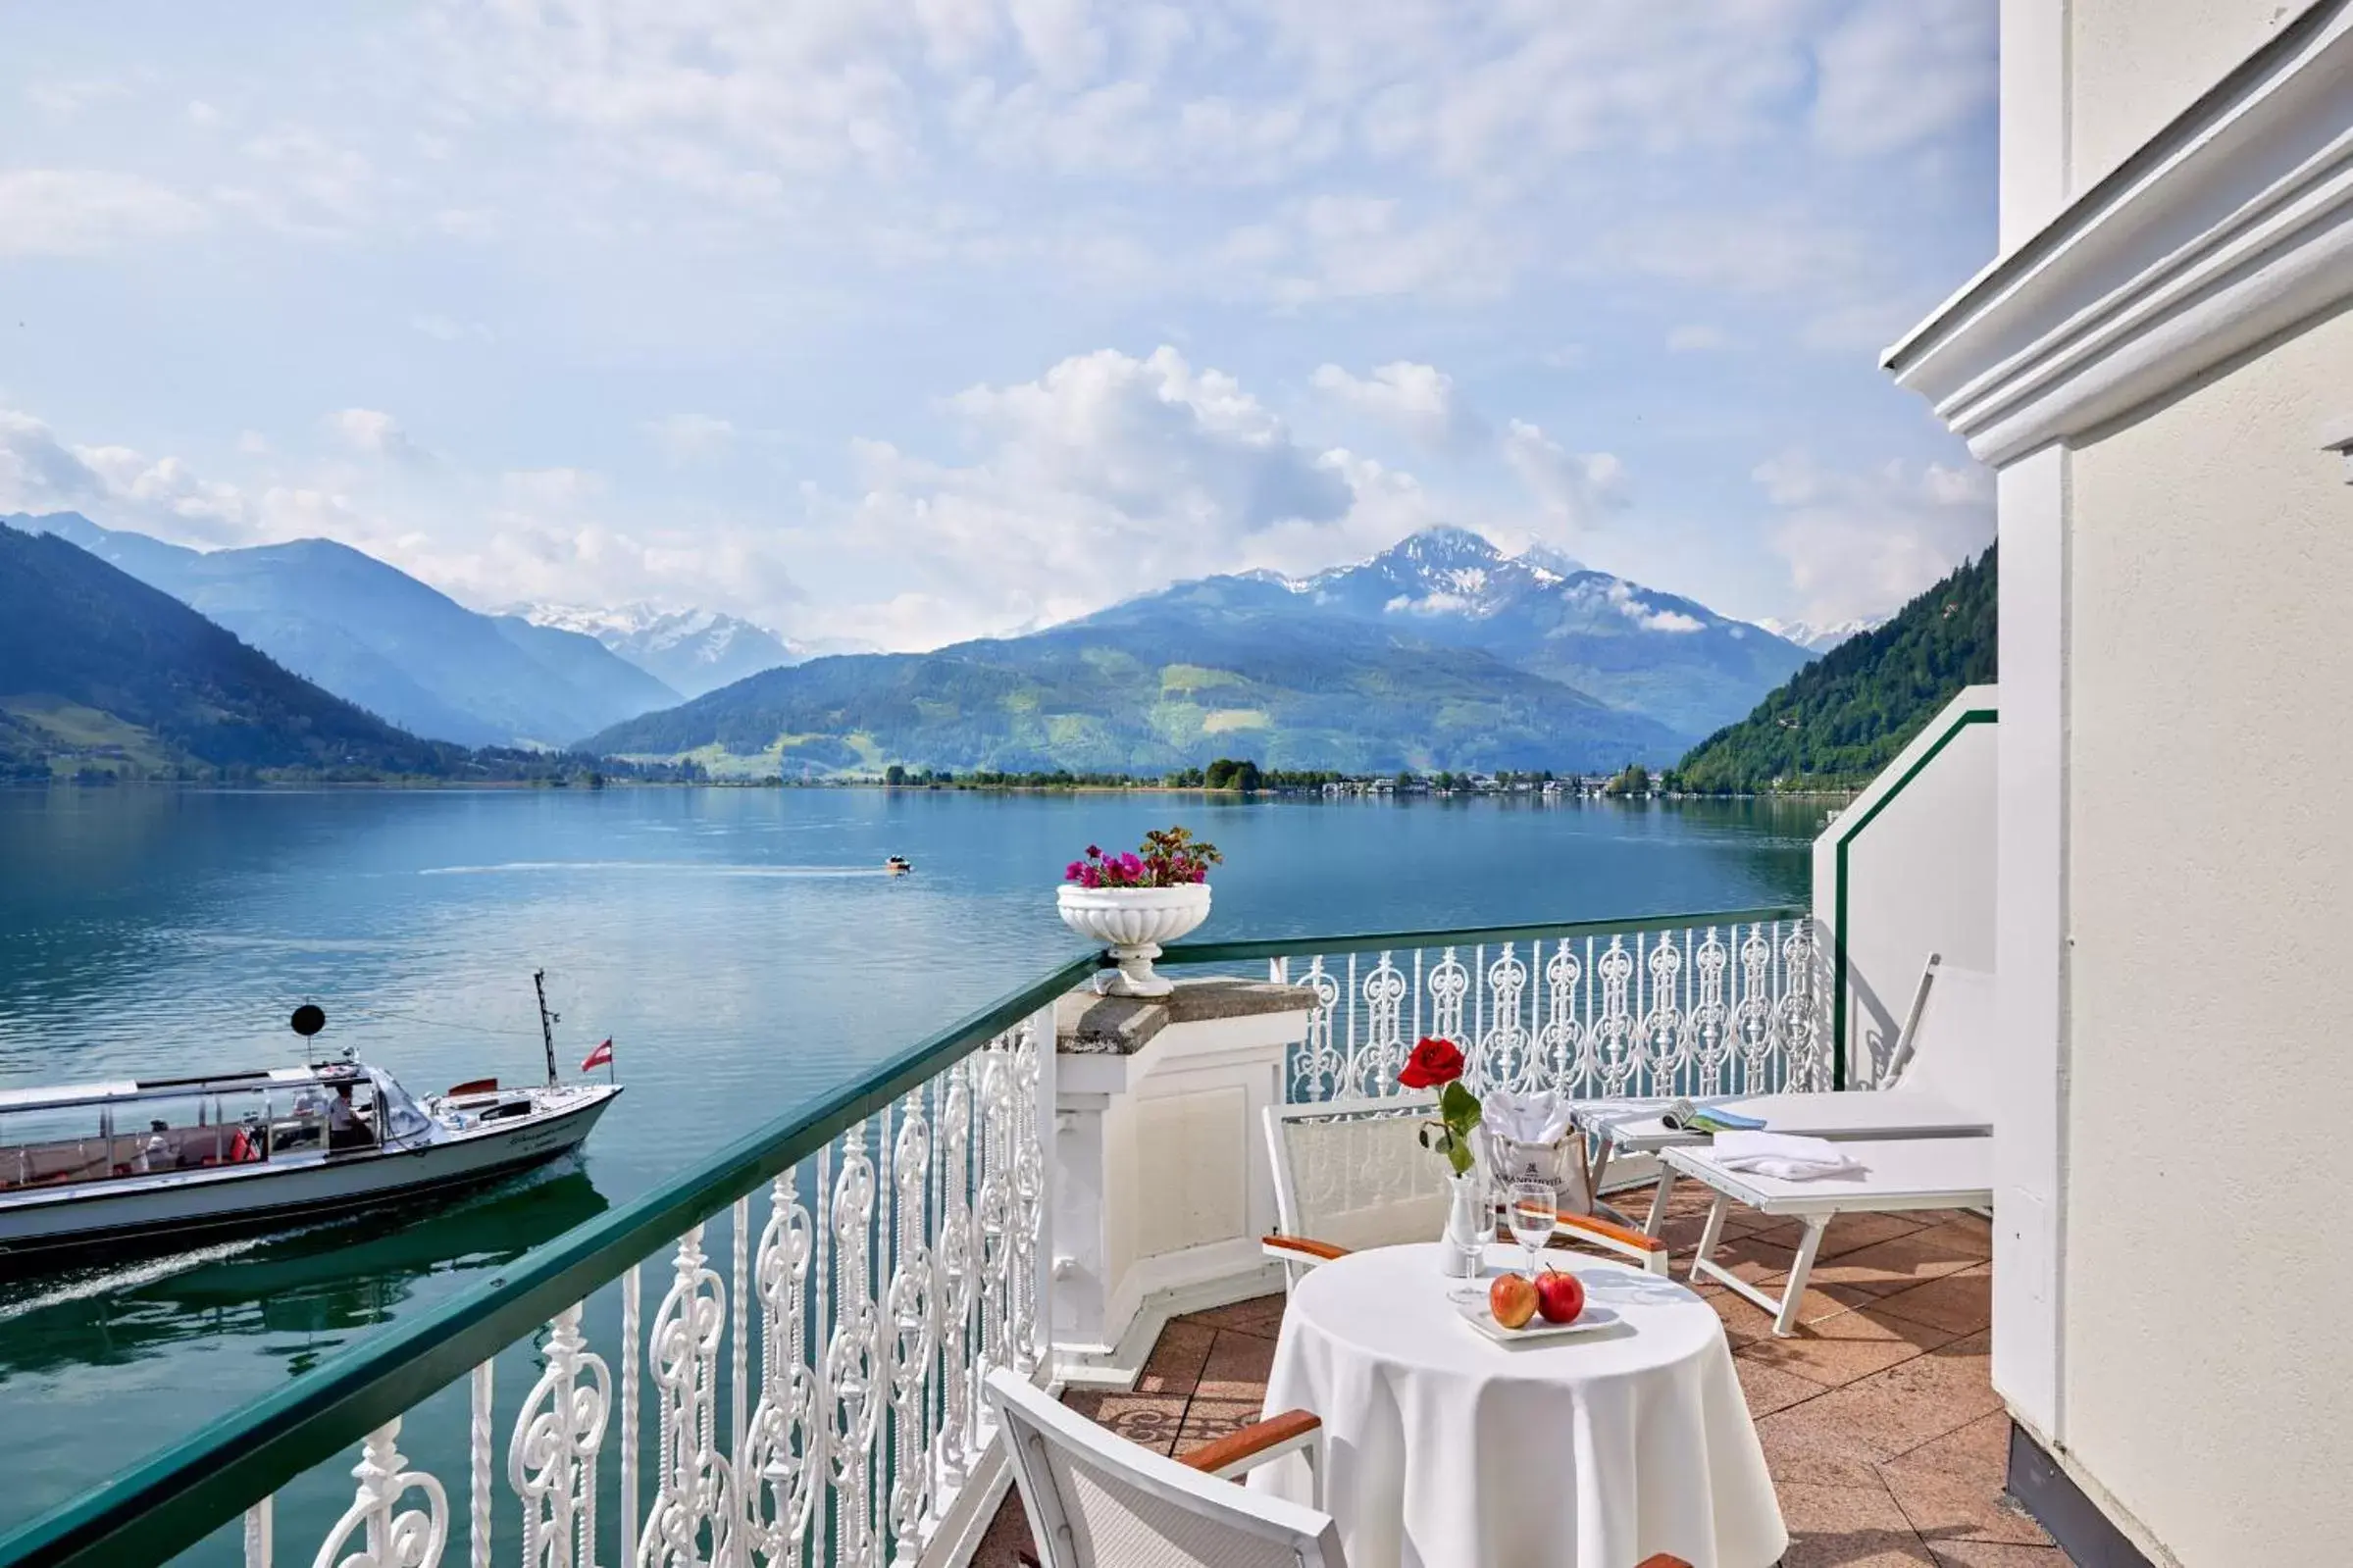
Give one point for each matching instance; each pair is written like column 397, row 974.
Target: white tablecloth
column 1444, row 1449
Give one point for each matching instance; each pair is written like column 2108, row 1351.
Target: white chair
column 1938, row 1085
column 1896, row 1174
column 1352, row 1174
column 1096, row 1501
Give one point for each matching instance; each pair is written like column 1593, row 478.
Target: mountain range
column 98, row 667
column 379, row 638
column 1441, row 652
column 1631, row 646
column 690, row 651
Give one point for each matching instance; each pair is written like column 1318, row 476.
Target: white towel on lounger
column 1784, row 1156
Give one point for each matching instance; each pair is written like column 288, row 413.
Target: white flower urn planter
column 1133, row 922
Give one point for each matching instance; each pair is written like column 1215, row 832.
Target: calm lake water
column 741, row 947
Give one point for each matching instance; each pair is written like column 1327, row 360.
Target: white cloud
column 38, row 472
column 87, row 212
column 692, row 438
column 1419, row 400
column 1107, row 475
column 1859, row 543
column 113, row 484
column 1697, row 338
column 1629, row 602
column 1154, row 438
column 300, row 182
column 371, row 433
column 1574, row 488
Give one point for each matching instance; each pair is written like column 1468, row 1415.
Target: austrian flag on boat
column 601, row 1056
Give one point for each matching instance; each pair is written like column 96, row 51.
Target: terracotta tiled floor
column 1884, row 1437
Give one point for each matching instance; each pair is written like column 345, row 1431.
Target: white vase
column 1133, row 922
column 1462, row 1250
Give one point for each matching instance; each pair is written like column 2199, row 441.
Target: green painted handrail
column 212, row 1476
column 205, row 1480
column 1469, row 936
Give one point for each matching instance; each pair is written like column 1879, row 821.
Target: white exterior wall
column 2133, row 64
column 2210, row 886
column 2153, row 366
column 1926, row 823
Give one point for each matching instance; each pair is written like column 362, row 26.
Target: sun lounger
column 1896, row 1174
column 1939, row 1086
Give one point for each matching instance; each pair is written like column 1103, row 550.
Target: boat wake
column 696, row 867
column 109, row 1279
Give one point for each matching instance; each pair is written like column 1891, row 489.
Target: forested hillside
column 1843, row 717
column 97, row 670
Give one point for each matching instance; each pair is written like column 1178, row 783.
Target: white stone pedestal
column 1158, row 1174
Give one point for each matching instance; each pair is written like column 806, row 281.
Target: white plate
column 1592, row 1317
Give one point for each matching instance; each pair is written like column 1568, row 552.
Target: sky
column 895, row 321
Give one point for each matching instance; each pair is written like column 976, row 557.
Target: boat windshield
column 403, row 1117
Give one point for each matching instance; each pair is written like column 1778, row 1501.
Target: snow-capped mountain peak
column 1821, row 636
column 695, row 650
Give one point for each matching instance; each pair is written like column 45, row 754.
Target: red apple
column 1560, row 1297
column 1512, row 1300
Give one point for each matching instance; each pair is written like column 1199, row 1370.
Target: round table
column 1443, row 1448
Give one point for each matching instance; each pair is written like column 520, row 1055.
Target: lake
column 742, row 947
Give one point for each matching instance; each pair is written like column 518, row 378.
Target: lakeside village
column 552, row 770
column 1245, row 777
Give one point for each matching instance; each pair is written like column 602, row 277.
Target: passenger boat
column 157, row 1162
column 899, row 865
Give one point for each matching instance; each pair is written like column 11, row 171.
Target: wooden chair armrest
column 1663, row 1560
column 1624, row 1235
column 1253, row 1445
column 1299, row 1247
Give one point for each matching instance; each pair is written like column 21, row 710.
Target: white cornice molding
column 2232, row 223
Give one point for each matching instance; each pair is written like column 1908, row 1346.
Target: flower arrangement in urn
column 1135, row 901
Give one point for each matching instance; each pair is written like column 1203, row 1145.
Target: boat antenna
column 548, row 1022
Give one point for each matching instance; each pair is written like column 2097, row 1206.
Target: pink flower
column 1130, row 864
column 1072, row 872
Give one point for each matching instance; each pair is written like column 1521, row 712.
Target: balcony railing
column 1683, row 1005
column 829, row 1293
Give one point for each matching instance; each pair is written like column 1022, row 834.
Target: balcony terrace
column 1886, row 1442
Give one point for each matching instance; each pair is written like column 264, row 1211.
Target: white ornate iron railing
column 777, row 1361
column 818, row 1403
column 1713, row 1005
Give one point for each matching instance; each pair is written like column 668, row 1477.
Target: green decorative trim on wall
column 1839, row 966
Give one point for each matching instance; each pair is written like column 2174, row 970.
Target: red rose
column 1433, row 1062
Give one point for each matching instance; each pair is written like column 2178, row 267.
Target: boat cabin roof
column 69, row 1095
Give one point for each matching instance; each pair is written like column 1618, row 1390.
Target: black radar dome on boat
column 309, row 1019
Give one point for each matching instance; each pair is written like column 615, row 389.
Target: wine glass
column 1473, row 1290
column 1535, row 1208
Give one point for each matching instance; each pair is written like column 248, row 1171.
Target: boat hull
column 126, row 1215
